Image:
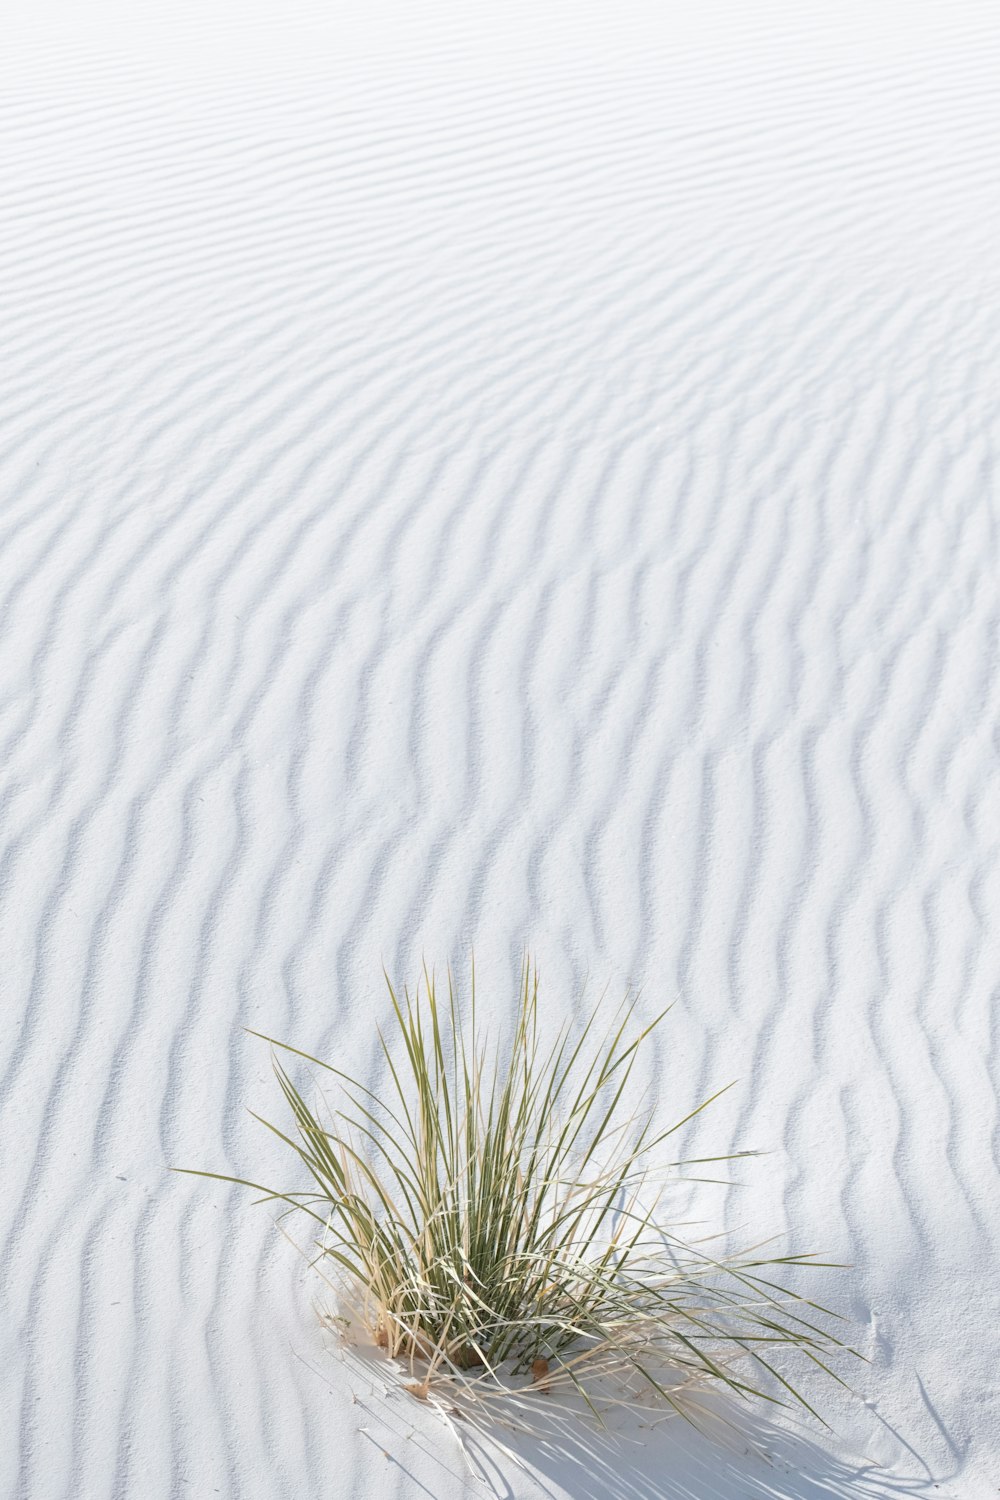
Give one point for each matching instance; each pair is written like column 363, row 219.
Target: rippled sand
column 493, row 475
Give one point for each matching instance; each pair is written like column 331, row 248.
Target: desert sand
column 494, row 476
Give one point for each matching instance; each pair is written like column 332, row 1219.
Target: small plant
column 494, row 1219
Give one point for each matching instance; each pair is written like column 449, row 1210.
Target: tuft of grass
column 494, row 1218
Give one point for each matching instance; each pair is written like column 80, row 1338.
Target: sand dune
column 482, row 478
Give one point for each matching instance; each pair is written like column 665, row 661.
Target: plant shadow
column 673, row 1461
column 739, row 1454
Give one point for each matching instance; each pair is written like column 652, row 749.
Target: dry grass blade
column 493, row 1220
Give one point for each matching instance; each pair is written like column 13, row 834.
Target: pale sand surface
column 486, row 475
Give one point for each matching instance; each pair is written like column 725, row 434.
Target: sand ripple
column 492, row 479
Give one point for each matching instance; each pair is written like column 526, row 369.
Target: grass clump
column 493, row 1217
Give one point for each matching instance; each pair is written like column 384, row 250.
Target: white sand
column 483, row 475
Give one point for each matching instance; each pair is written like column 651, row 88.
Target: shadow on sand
column 676, row 1462
column 742, row 1456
